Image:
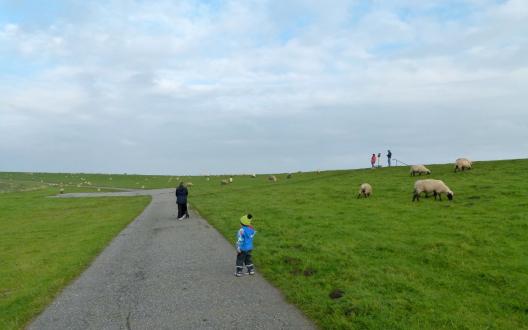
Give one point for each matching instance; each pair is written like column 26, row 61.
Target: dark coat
column 181, row 195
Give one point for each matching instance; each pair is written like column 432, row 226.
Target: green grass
column 399, row 265
column 47, row 242
column 460, row 264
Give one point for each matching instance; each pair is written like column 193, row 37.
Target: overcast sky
column 194, row 87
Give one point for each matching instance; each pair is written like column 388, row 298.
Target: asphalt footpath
column 162, row 273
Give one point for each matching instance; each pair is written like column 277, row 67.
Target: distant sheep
column 189, row 184
column 365, row 190
column 419, row 169
column 272, row 178
column 253, row 175
column 437, row 187
column 462, row 164
column 224, row 182
column 289, row 176
column 230, row 180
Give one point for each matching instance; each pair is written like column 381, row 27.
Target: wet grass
column 47, row 242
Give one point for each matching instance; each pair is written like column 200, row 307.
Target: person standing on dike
column 181, row 200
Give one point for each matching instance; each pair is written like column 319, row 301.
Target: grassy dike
column 47, row 242
column 386, row 262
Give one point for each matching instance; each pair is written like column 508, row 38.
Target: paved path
column 161, row 273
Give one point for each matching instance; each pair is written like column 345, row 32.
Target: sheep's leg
column 416, row 197
column 359, row 195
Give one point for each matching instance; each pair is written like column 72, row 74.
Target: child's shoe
column 251, row 272
column 237, row 274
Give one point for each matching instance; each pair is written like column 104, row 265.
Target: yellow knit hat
column 246, row 220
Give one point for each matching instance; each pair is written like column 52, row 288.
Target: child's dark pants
column 244, row 258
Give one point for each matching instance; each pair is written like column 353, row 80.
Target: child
column 244, row 246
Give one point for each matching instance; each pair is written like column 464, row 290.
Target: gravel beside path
column 161, row 273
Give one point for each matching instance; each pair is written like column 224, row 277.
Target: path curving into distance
column 161, row 273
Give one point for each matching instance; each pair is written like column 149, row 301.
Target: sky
column 221, row 87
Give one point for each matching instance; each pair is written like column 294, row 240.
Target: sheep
column 365, row 190
column 224, row 182
column 189, row 184
column 289, row 176
column 437, row 187
column 462, row 164
column 419, row 169
column 272, row 178
column 230, row 180
column 253, row 175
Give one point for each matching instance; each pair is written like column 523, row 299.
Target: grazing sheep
column 272, row 178
column 61, row 190
column 419, row 169
column 462, row 164
column 437, row 187
column 365, row 190
column 289, row 176
column 253, row 175
column 224, row 182
column 189, row 184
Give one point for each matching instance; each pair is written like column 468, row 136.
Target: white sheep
column 462, row 164
column 419, row 169
column 437, row 187
column 365, row 190
column 272, row 178
column 224, row 182
column 230, row 180
column 189, row 184
column 253, row 175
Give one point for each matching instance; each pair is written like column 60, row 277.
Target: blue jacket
column 245, row 238
column 181, row 195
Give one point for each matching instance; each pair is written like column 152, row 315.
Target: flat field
column 47, row 242
column 382, row 262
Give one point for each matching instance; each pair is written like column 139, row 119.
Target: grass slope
column 45, row 243
column 398, row 264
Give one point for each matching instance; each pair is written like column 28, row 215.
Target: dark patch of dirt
column 336, row 294
column 309, row 272
column 291, row 261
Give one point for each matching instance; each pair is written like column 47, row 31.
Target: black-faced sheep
column 272, row 178
column 437, row 187
column 462, row 164
column 419, row 169
column 365, row 190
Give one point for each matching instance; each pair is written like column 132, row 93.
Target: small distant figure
column 389, row 156
column 379, row 159
column 373, row 160
column 181, row 200
column 244, row 246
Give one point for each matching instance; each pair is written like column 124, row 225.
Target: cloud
column 195, row 87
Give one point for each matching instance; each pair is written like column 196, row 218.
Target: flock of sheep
column 428, row 186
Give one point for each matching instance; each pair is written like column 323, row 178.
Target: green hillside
column 398, row 264
column 382, row 262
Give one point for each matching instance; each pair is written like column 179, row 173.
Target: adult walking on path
column 181, row 200
column 159, row 273
column 389, row 156
column 373, row 160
